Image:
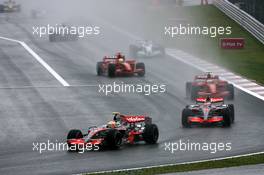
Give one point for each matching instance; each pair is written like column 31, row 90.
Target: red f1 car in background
column 209, row 85
column 119, row 66
column 123, row 129
column 208, row 111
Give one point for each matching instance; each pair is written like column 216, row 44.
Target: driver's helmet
column 208, row 101
column 111, row 124
column 209, row 75
column 116, row 116
column 120, row 57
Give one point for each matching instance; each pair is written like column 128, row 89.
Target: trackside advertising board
column 232, row 43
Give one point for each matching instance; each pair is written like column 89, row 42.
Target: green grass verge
column 248, row 62
column 240, row 161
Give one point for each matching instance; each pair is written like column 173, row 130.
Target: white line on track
column 204, row 64
column 227, row 74
column 220, row 70
column 39, row 59
column 214, row 67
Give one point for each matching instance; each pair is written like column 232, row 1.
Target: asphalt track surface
column 241, row 170
column 35, row 107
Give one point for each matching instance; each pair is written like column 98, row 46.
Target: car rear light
column 216, row 119
column 213, row 100
column 195, row 119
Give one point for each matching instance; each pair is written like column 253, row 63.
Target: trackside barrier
column 252, row 25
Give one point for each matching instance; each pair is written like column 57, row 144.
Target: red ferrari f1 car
column 208, row 111
column 119, row 66
column 123, row 129
column 209, row 85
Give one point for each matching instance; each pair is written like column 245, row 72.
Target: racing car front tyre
column 111, row 70
column 185, row 114
column 151, row 133
column 99, row 68
column 230, row 89
column 141, row 66
column 113, row 139
column 74, row 134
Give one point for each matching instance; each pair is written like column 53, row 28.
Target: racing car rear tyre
column 111, row 70
column 230, row 89
column 151, row 133
column 113, row 139
column 185, row 114
column 232, row 112
column 141, row 66
column 227, row 118
column 99, row 68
